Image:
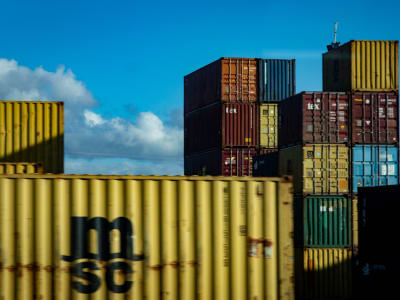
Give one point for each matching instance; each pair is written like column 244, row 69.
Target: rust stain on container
column 117, row 237
column 314, row 117
column 375, row 118
column 225, row 80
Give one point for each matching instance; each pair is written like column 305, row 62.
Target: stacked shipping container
column 334, row 142
column 231, row 113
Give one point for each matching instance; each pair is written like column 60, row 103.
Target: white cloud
column 146, row 144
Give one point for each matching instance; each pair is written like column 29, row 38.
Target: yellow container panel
column 33, row 132
column 20, row 168
column 125, row 237
column 362, row 66
column 316, row 168
column 323, row 273
column 269, row 125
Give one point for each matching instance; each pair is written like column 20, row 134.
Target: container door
column 362, row 166
column 387, row 166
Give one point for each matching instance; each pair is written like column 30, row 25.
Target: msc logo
column 80, row 233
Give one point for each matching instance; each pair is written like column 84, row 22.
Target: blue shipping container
column 375, row 165
column 277, row 79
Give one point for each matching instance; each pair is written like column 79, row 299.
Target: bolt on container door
column 324, row 273
column 269, row 125
column 318, row 169
column 33, row 132
column 237, row 162
column 277, row 79
column 362, row 66
column 314, row 117
column 327, row 221
column 375, row 165
column 375, row 118
column 145, row 237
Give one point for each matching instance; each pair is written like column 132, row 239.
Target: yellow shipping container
column 20, row 168
column 318, row 169
column 137, row 237
column 323, row 273
column 269, row 125
column 32, row 131
column 362, row 66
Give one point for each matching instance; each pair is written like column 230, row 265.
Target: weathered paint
column 375, row 165
column 374, row 118
column 317, row 169
column 20, row 168
column 314, row 117
column 124, row 237
column 228, row 80
column 327, row 221
column 269, row 125
column 32, row 131
column 323, row 273
column 362, row 66
column 277, row 79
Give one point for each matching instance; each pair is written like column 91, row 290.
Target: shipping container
column 225, row 80
column 221, row 162
column 20, row 168
column 324, row 273
column 314, row 117
column 269, row 125
column 327, row 221
column 266, row 165
column 277, row 79
column 362, row 66
column 378, row 256
column 222, row 125
column 119, row 237
column 375, row 118
column 317, row 169
column 375, row 165
column 32, row 131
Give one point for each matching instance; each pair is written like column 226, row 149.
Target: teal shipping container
column 326, row 221
column 277, row 79
column 375, row 165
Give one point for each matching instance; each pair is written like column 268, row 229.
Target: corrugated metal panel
column 266, row 165
column 120, row 237
column 375, row 165
column 226, row 80
column 33, row 132
column 221, row 162
column 20, row 168
column 318, row 169
column 277, row 79
column 222, row 125
column 269, row 125
column 375, row 118
column 362, row 66
column 324, row 273
column 314, row 117
column 327, row 221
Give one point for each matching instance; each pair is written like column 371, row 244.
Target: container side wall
column 21, row 168
column 109, row 237
column 33, row 132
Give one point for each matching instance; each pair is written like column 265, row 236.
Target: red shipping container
column 221, row 162
column 314, row 117
column 374, row 118
column 221, row 126
column 224, row 80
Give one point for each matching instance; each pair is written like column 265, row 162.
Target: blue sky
column 131, row 56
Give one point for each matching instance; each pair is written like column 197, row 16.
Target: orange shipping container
column 225, row 80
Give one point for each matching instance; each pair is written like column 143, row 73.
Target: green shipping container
column 327, row 221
